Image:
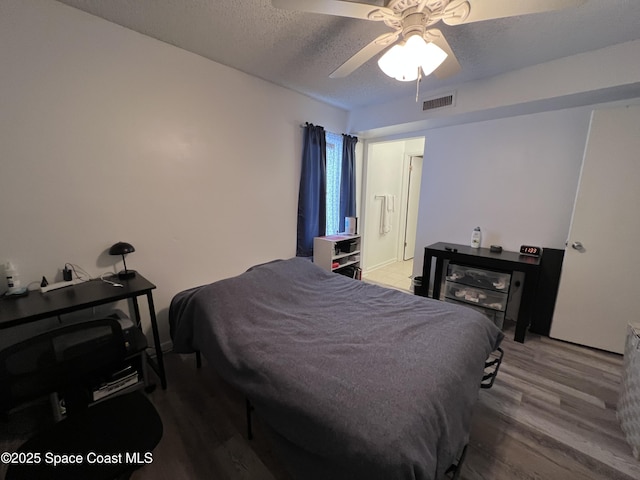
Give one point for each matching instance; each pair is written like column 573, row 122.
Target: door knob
column 577, row 245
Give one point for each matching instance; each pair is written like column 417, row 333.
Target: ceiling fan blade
column 335, row 7
column 450, row 66
column 480, row 10
column 369, row 51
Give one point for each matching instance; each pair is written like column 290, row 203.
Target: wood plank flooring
column 550, row 415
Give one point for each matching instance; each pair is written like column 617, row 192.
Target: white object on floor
column 629, row 402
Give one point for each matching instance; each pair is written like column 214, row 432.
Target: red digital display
column 530, row 250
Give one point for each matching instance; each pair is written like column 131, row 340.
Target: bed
column 356, row 381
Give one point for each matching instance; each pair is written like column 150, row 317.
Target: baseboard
column 166, row 347
column 379, row 266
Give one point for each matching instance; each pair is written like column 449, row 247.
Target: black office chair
column 66, row 361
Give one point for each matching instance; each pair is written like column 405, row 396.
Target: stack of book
column 117, row 381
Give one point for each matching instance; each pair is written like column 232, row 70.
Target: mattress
column 356, row 380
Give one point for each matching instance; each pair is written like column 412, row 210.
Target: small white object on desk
column 476, row 237
column 57, row 285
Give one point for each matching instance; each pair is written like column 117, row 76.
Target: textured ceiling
column 299, row 50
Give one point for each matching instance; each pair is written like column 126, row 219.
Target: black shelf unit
column 483, row 258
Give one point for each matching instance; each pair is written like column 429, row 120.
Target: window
column 334, row 171
column 322, row 207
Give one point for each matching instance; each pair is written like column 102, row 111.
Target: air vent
column 439, row 102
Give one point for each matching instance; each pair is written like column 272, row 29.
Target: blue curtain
column 311, row 197
column 348, row 179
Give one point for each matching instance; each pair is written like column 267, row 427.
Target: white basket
column 629, row 402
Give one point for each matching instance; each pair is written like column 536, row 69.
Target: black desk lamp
column 122, row 248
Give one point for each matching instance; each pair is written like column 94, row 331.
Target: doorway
column 392, row 170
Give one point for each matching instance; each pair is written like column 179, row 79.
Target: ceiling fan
column 417, row 47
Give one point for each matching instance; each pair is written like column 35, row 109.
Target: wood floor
column 550, row 415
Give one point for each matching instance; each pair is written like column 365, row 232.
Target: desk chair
column 65, row 361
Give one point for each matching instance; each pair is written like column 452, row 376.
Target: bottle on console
column 13, row 281
column 476, row 238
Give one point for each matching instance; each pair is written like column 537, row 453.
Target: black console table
column 483, row 258
column 38, row 306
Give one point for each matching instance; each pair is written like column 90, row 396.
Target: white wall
column 516, row 178
column 108, row 135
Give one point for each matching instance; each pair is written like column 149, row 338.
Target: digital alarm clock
column 530, row 250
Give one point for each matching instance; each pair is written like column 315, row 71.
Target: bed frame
column 412, row 363
column 455, row 469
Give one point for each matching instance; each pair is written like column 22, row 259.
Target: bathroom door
column 413, row 199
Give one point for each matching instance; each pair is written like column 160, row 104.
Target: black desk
column 483, row 258
column 38, row 306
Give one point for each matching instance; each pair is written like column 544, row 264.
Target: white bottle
column 476, row 238
column 13, row 282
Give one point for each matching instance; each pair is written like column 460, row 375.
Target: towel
column 386, row 209
column 390, row 200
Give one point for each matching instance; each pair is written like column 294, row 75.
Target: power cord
column 75, row 269
column 68, row 272
column 111, row 282
column 82, row 275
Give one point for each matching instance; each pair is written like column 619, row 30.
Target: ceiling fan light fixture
column 403, row 60
column 432, row 58
column 393, row 61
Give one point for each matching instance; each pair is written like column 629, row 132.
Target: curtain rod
column 302, row 125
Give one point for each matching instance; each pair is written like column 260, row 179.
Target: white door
column 413, row 199
column 599, row 288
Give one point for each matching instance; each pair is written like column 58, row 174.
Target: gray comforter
column 358, row 381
